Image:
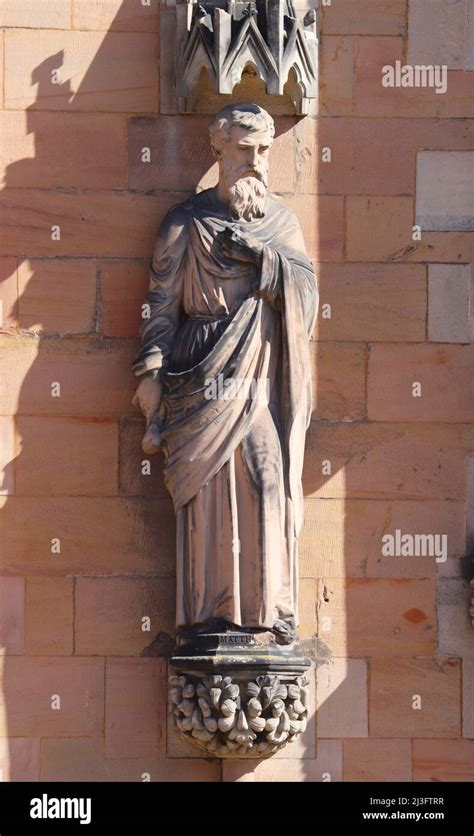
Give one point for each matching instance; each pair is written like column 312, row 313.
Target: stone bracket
column 239, row 714
column 238, row 693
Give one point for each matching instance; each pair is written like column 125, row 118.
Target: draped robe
column 233, row 462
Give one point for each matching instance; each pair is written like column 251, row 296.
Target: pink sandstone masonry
column 87, row 569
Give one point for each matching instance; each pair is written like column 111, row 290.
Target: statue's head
column 241, row 138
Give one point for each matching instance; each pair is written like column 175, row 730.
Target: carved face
column 246, row 153
column 244, row 168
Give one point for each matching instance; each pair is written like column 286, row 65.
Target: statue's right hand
column 148, row 397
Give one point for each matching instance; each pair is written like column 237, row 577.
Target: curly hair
column 249, row 116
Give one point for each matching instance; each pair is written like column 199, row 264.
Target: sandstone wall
column 383, row 629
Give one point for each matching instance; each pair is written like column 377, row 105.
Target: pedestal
column 238, row 692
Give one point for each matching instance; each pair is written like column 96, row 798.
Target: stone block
column 135, row 708
column 450, row 303
column 443, row 760
column 455, row 627
column 377, row 760
column 394, row 689
column 63, row 150
column 57, row 296
column 420, row 383
column 122, row 616
column 67, row 457
column 116, row 15
column 444, row 190
column 52, row 696
column 138, row 532
column 377, row 617
column 12, row 616
column 82, row 759
column 49, row 616
column 66, row 70
column 341, row 699
column 437, row 37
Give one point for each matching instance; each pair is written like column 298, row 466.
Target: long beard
column 247, row 194
column 247, row 198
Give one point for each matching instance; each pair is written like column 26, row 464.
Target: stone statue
column 225, row 386
column 226, row 391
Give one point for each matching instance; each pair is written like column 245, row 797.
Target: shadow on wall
column 75, row 469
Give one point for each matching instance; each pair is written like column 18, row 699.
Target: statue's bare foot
column 284, row 633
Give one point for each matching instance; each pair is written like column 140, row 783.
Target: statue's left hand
column 235, row 242
column 148, row 397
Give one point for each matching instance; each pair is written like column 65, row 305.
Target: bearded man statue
column 232, row 304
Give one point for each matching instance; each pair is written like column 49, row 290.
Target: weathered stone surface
column 378, row 618
column 339, row 381
column 327, row 766
column 12, row 616
column 122, row 616
column 343, row 537
column 84, row 461
column 20, row 759
column 57, row 296
column 123, row 286
column 370, row 156
column 379, row 228
column 469, row 64
column 82, row 759
column 377, row 760
column 8, row 294
column 139, row 474
column 444, row 190
column 49, row 616
column 395, row 684
column 116, row 15
column 91, row 154
column 387, row 461
column 36, row 14
column 138, row 532
column 92, row 224
column 2, row 54
column 308, row 594
column 437, row 37
column 396, row 474
column 8, row 453
column 88, row 378
column 324, row 238
column 371, row 99
column 450, row 303
column 135, row 708
column 31, row 685
column 468, row 698
column 443, row 760
column 337, row 75
column 455, row 627
column 341, row 699
column 440, row 374
column 115, row 74
column 366, row 17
